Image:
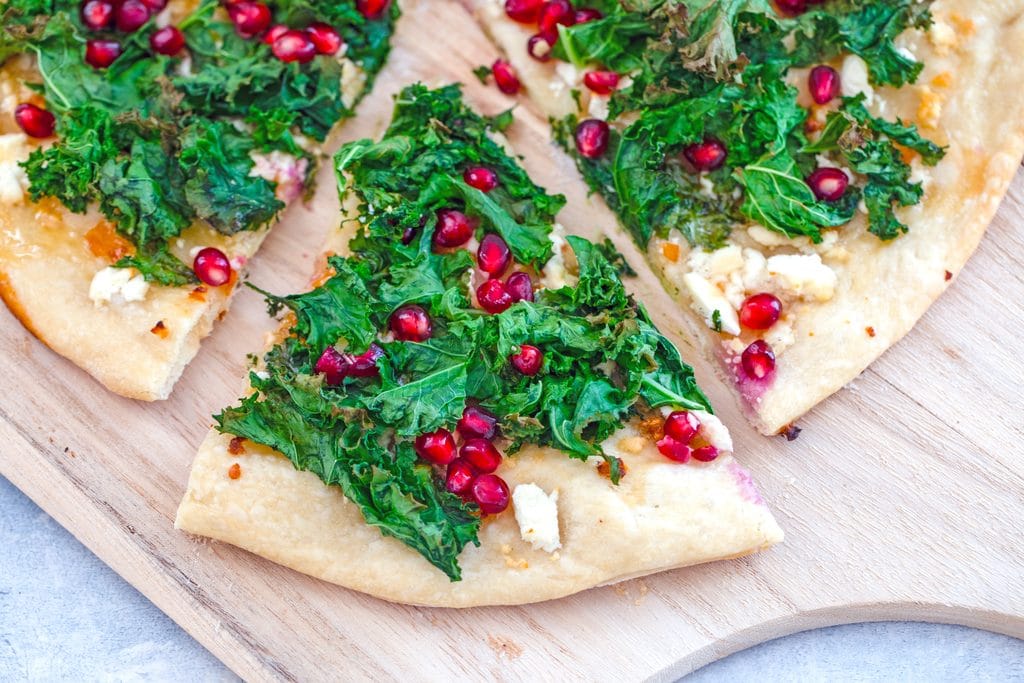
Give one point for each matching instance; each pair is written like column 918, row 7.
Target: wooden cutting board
column 902, row 499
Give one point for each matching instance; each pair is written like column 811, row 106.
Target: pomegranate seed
column 707, row 155
column 491, row 493
column 274, row 32
column 553, row 13
column 828, row 184
column 100, row 54
column 585, row 14
column 35, row 121
column 481, row 454
column 539, row 48
column 459, row 477
column 480, row 177
column 155, row 6
column 325, row 39
column 167, row 41
column 528, row 360
column 411, row 323
column 792, row 6
column 335, row 366
column 519, row 286
column 505, row 77
column 760, row 311
column 294, row 46
column 212, row 266
column 331, row 365
column 705, row 453
column 408, row 234
column 823, row 83
column 493, row 296
column 601, row 82
column 758, row 360
column 674, row 449
column 365, row 364
column 249, row 18
column 682, row 426
column 97, row 14
column 372, row 9
column 436, row 447
column 524, row 11
column 477, row 423
column 130, row 15
column 493, row 255
column 592, row 138
column 454, row 228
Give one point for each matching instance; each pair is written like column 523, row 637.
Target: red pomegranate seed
column 332, row 366
column 705, row 453
column 454, row 228
column 459, row 477
column 674, row 449
column 167, row 41
column 828, row 184
column 707, row 155
column 249, row 18
column 519, row 286
column 491, row 493
column 758, row 360
column 411, row 323
column 760, row 311
column 481, row 454
column 477, row 422
column 294, row 46
column 792, row 6
column 553, row 13
column 212, row 266
column 682, row 426
column 585, row 14
column 524, row 11
column 365, row 364
column 155, row 6
column 505, row 77
column 130, row 15
column 601, row 82
column 436, row 447
column 823, row 83
column 325, row 39
column 408, row 234
column 493, row 296
column 97, row 14
column 480, row 177
column 35, row 121
column 274, row 32
column 493, row 255
column 592, row 138
column 372, row 9
column 528, row 360
column 100, row 54
column 539, row 48
column 335, row 366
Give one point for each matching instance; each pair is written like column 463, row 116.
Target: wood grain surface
column 902, row 499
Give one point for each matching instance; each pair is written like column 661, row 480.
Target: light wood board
column 902, row 499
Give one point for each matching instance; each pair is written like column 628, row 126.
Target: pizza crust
column 968, row 98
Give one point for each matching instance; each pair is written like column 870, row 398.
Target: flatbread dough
column 969, row 98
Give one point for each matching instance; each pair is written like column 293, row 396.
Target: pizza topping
column 528, row 360
column 235, row 471
column 707, row 155
column 168, row 40
column 524, row 11
column 585, row 14
column 553, row 14
column 294, row 46
column 454, row 228
column 481, row 454
column 212, row 267
column 490, row 493
column 493, row 255
column 336, row 366
column 326, row 39
column 436, row 447
column 705, row 453
column 520, row 286
column 34, row 120
column 411, row 323
column 493, row 297
column 476, row 422
column 592, row 138
column 760, row 311
column 480, row 177
column 823, row 83
column 117, row 285
column 758, row 360
column 681, row 425
column 459, row 477
column 372, row 9
column 711, row 304
column 539, row 48
column 250, row 18
column 97, row 14
column 601, row 82
column 100, row 54
column 803, row 275
column 537, row 516
column 828, row 184
column 505, row 77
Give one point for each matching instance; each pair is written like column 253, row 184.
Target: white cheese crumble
column 353, row 82
column 804, row 275
column 706, row 299
column 286, row 171
column 117, row 285
column 714, row 430
column 555, row 275
column 597, row 107
column 13, row 181
column 537, row 515
column 853, row 78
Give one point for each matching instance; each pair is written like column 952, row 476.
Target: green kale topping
column 604, row 361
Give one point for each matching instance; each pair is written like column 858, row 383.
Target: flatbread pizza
column 806, row 177
column 145, row 150
column 468, row 408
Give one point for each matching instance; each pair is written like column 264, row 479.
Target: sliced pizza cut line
column 468, row 409
column 803, row 189
column 144, row 157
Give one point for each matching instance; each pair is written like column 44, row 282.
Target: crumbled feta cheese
column 706, row 299
column 943, row 37
column 353, row 82
column 286, row 171
column 724, row 261
column 803, row 275
column 714, row 430
column 766, row 237
column 569, row 74
column 707, row 187
column 597, row 108
column 13, row 181
column 117, row 285
column 555, row 276
column 854, row 78
column 537, row 515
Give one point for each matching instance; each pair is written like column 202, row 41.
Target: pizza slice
column 146, row 150
column 469, row 408
column 805, row 177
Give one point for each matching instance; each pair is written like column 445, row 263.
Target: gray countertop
column 65, row 616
